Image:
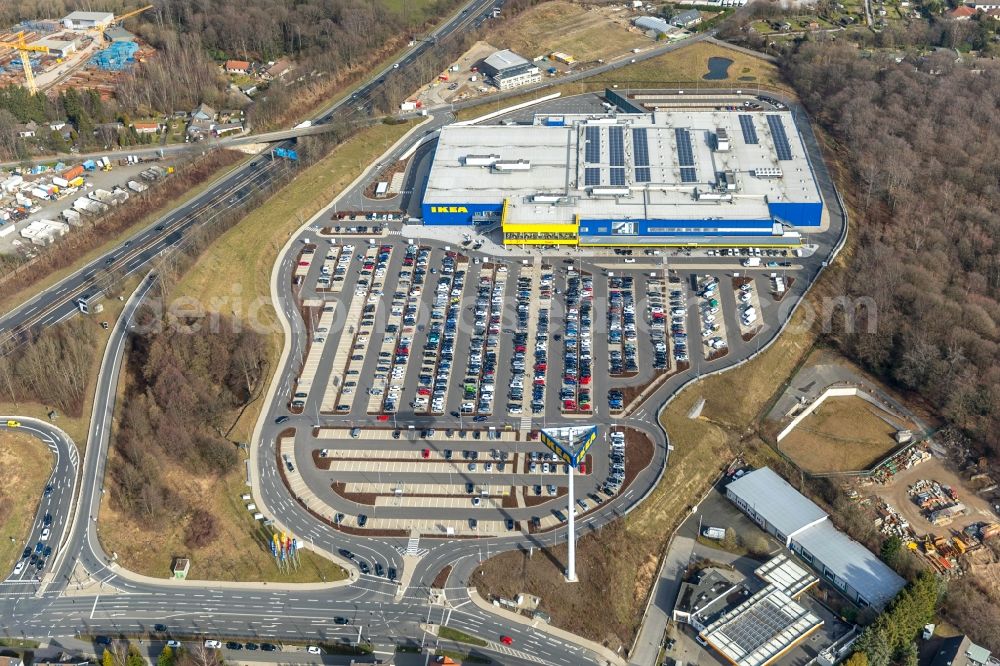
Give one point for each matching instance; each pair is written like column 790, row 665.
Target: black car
column 159, row 627
column 480, row 419
column 341, row 620
column 346, row 553
column 159, row 227
column 26, row 554
column 281, row 419
column 102, row 640
column 47, row 551
column 251, row 646
column 268, row 647
column 233, row 645
column 510, row 525
column 364, row 567
column 48, row 490
column 362, row 520
column 47, row 521
column 379, row 569
column 392, row 573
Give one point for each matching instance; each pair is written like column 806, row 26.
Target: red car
column 506, row 640
column 426, row 453
column 423, row 391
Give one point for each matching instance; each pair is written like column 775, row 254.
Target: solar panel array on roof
column 642, row 175
column 616, row 141
column 591, row 176
column 593, row 153
column 640, row 146
column 781, row 145
column 689, row 175
column 618, row 176
column 749, row 131
column 685, row 154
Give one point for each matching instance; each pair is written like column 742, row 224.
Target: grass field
column 683, row 66
column 842, row 434
column 586, row 34
column 245, row 255
column 459, row 636
column 620, row 562
column 27, row 464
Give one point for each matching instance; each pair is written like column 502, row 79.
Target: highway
column 57, row 303
column 82, row 591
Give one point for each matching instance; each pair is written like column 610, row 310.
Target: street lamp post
column 571, row 541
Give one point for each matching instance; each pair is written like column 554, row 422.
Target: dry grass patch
column 586, row 33
column 27, row 464
column 842, row 434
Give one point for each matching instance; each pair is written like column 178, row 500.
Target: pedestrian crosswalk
column 503, row 649
column 395, row 232
column 525, row 423
column 413, row 545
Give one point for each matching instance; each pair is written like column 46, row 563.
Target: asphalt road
column 377, row 608
column 57, row 303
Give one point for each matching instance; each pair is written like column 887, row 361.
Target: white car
column 312, row 649
column 213, row 644
column 19, row 567
column 46, row 533
column 173, row 643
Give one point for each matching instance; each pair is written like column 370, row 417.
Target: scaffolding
column 117, row 57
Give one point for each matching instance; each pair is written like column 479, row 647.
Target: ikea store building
column 665, row 178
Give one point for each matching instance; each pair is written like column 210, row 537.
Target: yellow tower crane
column 23, row 49
column 118, row 19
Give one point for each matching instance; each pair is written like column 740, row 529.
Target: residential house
column 56, row 125
column 11, row 661
column 203, row 112
column 963, row 13
column 278, row 69
column 27, row 130
column 687, row 19
column 146, row 128
column 237, row 67
column 984, row 6
column 960, row 651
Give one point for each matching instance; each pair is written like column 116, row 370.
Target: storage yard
column 36, row 209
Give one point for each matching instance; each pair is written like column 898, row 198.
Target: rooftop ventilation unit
column 481, row 160
column 721, row 140
column 767, row 172
column 512, row 165
column 608, row 191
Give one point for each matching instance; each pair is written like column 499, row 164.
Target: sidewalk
column 647, row 646
column 597, row 649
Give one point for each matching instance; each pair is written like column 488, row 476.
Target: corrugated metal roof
column 772, row 497
column 505, row 59
column 653, row 23
column 851, row 562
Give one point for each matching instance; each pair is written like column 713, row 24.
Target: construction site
column 84, row 50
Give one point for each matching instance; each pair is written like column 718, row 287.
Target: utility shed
column 773, row 504
column 851, row 567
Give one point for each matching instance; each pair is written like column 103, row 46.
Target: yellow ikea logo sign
column 449, row 209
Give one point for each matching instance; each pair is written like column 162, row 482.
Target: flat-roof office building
column 641, row 179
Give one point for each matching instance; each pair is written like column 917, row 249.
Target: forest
column 186, row 380
column 919, row 145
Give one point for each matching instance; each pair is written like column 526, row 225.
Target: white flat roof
column 761, row 629
column 774, row 499
column 97, row 17
column 569, row 160
column 786, row 574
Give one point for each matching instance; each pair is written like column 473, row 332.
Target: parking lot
column 456, row 354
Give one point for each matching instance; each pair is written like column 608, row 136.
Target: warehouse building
column 88, row 20
column 806, row 530
column 713, row 178
column 505, row 69
column 57, row 46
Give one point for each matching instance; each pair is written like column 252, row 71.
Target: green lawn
column 460, row 636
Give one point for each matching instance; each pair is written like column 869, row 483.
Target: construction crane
column 118, row 19
column 23, row 48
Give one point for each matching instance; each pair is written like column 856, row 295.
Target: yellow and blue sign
column 570, row 444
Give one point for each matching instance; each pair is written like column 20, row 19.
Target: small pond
column 718, row 69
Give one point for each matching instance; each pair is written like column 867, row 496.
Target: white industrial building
column 506, row 70
column 806, row 530
column 88, row 20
